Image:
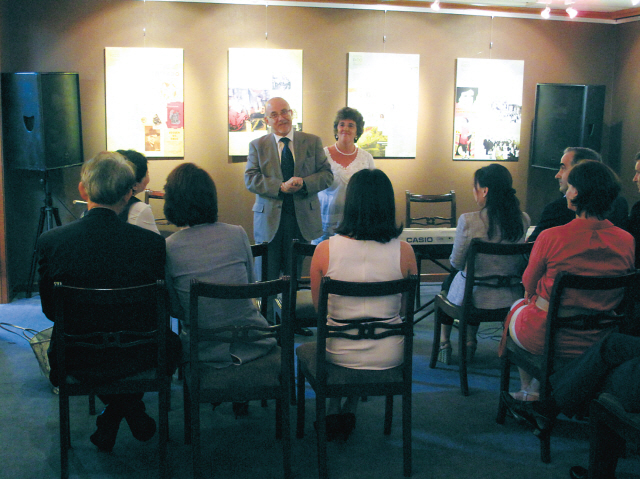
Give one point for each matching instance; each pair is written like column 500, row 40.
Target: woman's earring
column 336, row 137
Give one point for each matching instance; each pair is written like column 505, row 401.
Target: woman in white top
column 345, row 159
column 365, row 248
column 138, row 212
column 499, row 220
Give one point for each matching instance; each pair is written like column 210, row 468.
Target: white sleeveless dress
column 364, row 261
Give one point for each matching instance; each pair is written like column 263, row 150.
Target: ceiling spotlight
column 635, row 2
column 572, row 12
column 546, row 13
column 435, row 5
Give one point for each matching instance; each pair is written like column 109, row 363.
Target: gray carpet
column 453, row 436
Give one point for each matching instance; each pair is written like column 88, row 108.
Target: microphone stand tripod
column 48, row 214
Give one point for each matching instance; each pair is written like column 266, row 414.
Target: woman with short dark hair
column 365, row 248
column 588, row 245
column 208, row 250
column 345, row 159
column 137, row 212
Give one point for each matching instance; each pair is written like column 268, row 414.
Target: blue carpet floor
column 453, row 436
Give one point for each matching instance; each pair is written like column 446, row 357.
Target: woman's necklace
column 343, row 153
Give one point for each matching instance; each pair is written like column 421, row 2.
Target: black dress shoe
column 108, row 423
column 578, row 472
column 240, row 408
column 142, row 426
column 347, row 425
column 526, row 411
column 303, row 332
column 333, row 426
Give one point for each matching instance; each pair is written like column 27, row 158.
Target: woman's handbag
column 39, row 341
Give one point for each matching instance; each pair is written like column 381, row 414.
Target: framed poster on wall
column 488, row 109
column 145, row 100
column 255, row 75
column 384, row 88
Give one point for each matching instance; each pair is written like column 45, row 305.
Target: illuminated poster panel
column 145, row 100
column 384, row 88
column 488, row 109
column 255, row 75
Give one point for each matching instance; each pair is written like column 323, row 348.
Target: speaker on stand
column 42, row 131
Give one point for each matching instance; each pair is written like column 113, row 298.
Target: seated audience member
column 588, row 245
column 137, row 212
column 365, row 248
column 101, row 251
column 499, row 220
column 557, row 213
column 210, row 251
column 611, row 366
column 634, row 217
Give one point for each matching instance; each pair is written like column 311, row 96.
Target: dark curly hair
column 597, row 185
column 347, row 113
column 502, row 205
column 190, row 196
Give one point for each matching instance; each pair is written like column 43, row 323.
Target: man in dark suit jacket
column 287, row 204
column 557, row 213
column 101, row 251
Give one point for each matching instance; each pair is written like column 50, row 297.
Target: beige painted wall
column 70, row 35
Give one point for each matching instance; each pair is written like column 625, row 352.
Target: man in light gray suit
column 286, row 170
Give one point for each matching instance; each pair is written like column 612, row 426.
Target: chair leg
column 406, row 433
column 285, row 424
column 65, row 432
column 92, row 404
column 321, row 406
column 196, row 456
column 462, row 354
column 388, row 415
column 437, row 326
column 545, row 444
column 301, row 404
column 163, row 412
column 418, row 286
column 278, row 419
column 187, row 411
column 505, row 374
column 292, row 382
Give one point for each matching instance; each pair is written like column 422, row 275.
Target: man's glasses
column 284, row 114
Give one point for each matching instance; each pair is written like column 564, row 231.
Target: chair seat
column 148, row 374
column 259, row 373
column 338, row 375
column 611, row 404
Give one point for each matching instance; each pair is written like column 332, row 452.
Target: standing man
column 101, row 251
column 286, row 170
column 557, row 213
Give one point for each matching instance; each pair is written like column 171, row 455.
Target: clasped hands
column 292, row 185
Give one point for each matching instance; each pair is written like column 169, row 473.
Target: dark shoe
column 347, row 425
column 303, row 332
column 142, row 426
column 333, row 424
column 240, row 408
column 108, row 423
column 527, row 411
column 578, row 472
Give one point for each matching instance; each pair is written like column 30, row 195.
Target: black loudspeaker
column 41, row 124
column 566, row 115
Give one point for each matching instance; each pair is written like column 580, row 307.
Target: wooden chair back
column 542, row 367
column 148, row 298
column 435, row 220
column 267, row 377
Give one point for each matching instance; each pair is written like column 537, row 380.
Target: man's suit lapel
column 272, row 152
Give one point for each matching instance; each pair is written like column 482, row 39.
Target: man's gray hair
column 580, row 153
column 107, row 178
